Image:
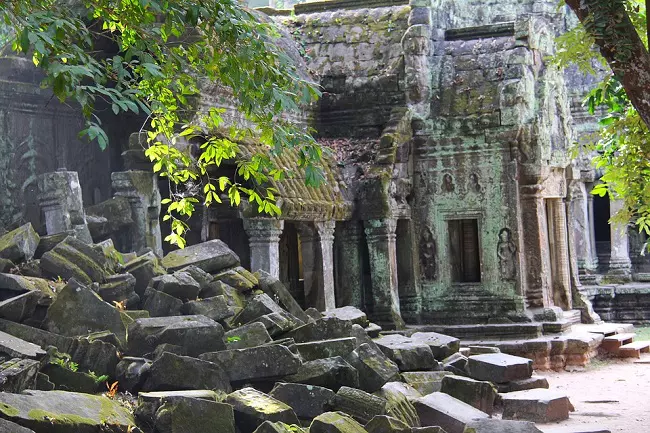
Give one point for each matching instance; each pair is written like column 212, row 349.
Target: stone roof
column 298, row 201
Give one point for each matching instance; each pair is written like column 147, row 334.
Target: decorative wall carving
column 428, row 255
column 507, row 252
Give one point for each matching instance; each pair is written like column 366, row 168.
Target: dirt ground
column 610, row 394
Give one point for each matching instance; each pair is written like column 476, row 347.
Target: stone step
column 613, row 342
column 572, row 316
column 608, row 329
column 634, row 350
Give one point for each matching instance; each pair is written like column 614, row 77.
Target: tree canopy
column 149, row 57
column 614, row 33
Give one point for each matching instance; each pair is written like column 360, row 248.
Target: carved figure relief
column 428, row 255
column 448, row 183
column 507, row 253
column 474, row 184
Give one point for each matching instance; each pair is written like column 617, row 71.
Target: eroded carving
column 507, row 252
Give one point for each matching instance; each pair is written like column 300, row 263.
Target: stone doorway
column 291, row 271
column 602, row 232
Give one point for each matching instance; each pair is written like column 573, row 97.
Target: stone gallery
column 452, row 205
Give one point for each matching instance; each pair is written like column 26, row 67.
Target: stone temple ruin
column 452, row 206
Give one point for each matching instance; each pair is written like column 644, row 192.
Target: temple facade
column 451, row 195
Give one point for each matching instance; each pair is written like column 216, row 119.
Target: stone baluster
column 620, row 265
column 61, row 200
column 264, row 240
column 141, row 190
column 380, row 236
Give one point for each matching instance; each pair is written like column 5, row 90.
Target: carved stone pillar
column 561, row 266
column 583, row 230
column 326, row 238
column 141, row 189
column 350, row 266
column 264, row 241
column 535, row 239
column 61, row 200
column 620, row 265
column 380, row 236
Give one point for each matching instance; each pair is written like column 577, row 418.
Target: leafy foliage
column 151, row 57
column 623, row 151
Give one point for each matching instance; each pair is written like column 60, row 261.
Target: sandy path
column 611, row 394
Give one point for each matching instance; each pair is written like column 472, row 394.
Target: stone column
column 326, row 238
column 141, row 190
column 264, row 240
column 350, row 266
column 582, row 228
column 562, row 278
column 592, row 231
column 380, row 236
column 620, row 265
column 61, row 200
column 535, row 253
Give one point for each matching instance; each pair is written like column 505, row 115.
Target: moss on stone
column 8, row 410
column 57, row 418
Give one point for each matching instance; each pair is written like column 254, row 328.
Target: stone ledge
column 488, row 31
column 328, row 5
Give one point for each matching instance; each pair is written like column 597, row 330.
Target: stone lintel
column 487, row 31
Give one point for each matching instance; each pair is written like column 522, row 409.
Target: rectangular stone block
column 499, row 367
column 439, row 409
column 536, row 405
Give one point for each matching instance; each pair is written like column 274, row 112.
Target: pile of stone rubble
column 198, row 344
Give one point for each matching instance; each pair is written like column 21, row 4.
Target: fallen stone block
column 17, row 348
column 478, row 394
column 279, row 323
column 256, row 363
column 197, row 334
column 439, row 409
column 407, row 354
column 499, row 367
column 17, row 375
column 194, row 415
column 150, row 402
column 65, row 379
column 425, row 382
column 273, row 287
column 54, row 411
column 257, row 307
column 91, row 355
column 10, row 427
column 238, row 278
column 500, row 426
column 387, row 424
column 21, row 307
column 171, row 348
column 212, row 257
column 19, row 244
column 326, row 348
column 359, row 404
column 131, row 373
column 349, row 314
column 278, row 427
column 401, row 388
column 456, row 364
column 536, row 405
column 250, row 335
column 399, row 405
column 119, row 288
column 252, row 408
column 79, row 311
column 73, row 258
column 524, row 384
column 160, row 304
column 6, row 265
column 430, row 429
column 322, row 329
column 173, row 372
column 215, row 308
column 307, row 401
column 13, row 285
column 482, row 350
column 442, row 346
column 375, row 369
column 332, row 373
column 144, row 269
column 335, row 422
column 180, row 285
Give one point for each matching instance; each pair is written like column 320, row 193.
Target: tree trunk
column 619, row 43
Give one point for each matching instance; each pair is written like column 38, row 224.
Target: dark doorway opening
column 464, row 251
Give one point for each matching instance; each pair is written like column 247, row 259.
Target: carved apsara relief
column 428, row 255
column 507, row 253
